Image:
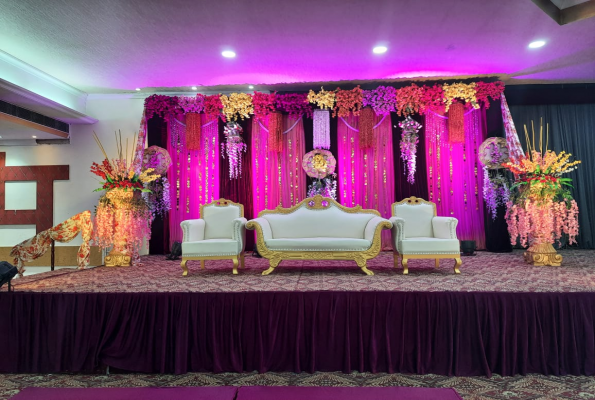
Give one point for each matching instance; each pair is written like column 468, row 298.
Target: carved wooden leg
column 458, row 263
column 202, row 264
column 405, row 267
column 437, row 262
column 361, row 262
column 235, row 265
column 242, row 261
column 184, row 267
column 273, row 262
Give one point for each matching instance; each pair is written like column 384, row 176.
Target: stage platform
column 485, row 272
column 498, row 316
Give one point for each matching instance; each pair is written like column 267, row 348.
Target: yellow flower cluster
column 560, row 164
column 146, row 176
column 237, row 104
column 322, row 99
column 461, row 91
column 557, row 164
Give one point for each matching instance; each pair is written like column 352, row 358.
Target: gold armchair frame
column 237, row 260
column 360, row 257
column 405, row 257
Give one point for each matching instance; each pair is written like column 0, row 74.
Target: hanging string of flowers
column 408, row 145
column 347, row 102
column 382, row 99
column 456, row 123
column 237, row 105
column 323, row 99
column 322, row 129
column 233, row 147
column 275, row 138
column 366, row 128
column 264, row 104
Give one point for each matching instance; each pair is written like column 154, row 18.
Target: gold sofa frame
column 237, row 260
column 360, row 257
column 405, row 257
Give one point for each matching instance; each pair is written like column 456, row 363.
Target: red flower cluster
column 213, row 106
column 483, row 90
column 347, row 101
column 122, row 185
column 102, row 170
column 264, row 104
column 542, row 179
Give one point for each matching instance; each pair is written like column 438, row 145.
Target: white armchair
column 418, row 233
column 220, row 234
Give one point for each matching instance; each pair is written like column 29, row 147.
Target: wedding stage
column 498, row 316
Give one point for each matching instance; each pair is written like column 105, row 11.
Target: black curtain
column 572, row 129
column 159, row 241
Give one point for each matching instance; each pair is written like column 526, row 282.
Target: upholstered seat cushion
column 211, row 247
column 318, row 244
column 428, row 245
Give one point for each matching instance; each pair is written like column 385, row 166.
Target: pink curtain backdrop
column 455, row 180
column 194, row 175
column 278, row 178
column 366, row 176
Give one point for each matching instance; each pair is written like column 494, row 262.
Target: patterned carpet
column 484, row 272
column 473, row 388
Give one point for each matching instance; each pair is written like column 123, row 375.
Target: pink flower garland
column 408, row 145
column 264, row 104
column 382, row 99
column 161, row 105
column 192, row 104
column 213, row 107
column 295, row 104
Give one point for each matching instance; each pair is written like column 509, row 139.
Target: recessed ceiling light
column 194, row 88
column 228, row 54
column 34, row 137
column 537, row 44
column 137, row 89
column 379, row 50
column 250, row 87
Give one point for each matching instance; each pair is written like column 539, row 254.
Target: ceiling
column 116, row 46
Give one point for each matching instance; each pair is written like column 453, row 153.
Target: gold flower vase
column 120, row 255
column 541, row 253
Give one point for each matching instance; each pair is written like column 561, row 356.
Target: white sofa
column 220, row 234
column 318, row 228
column 418, row 233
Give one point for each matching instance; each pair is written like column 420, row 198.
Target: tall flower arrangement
column 542, row 208
column 123, row 217
column 408, row 145
column 233, row 148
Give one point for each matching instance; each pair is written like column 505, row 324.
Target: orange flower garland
column 348, row 101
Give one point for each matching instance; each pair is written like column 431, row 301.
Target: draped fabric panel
column 278, row 178
column 572, row 129
column 293, row 176
column 455, row 180
column 445, row 333
column 194, row 175
column 366, row 176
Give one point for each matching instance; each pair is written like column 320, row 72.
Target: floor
column 470, row 388
column 501, row 272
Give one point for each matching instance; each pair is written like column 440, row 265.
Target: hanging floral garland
column 233, row 147
column 295, row 104
column 456, row 123
column 237, row 104
column 463, row 91
column 323, row 99
column 275, row 138
column 382, row 99
column 264, row 104
column 347, row 102
column 432, row 99
column 496, row 190
column 366, row 128
column 322, row 129
column 408, row 145
column 192, row 106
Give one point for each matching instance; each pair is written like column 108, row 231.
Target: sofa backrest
column 418, row 216
column 326, row 222
column 219, row 217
